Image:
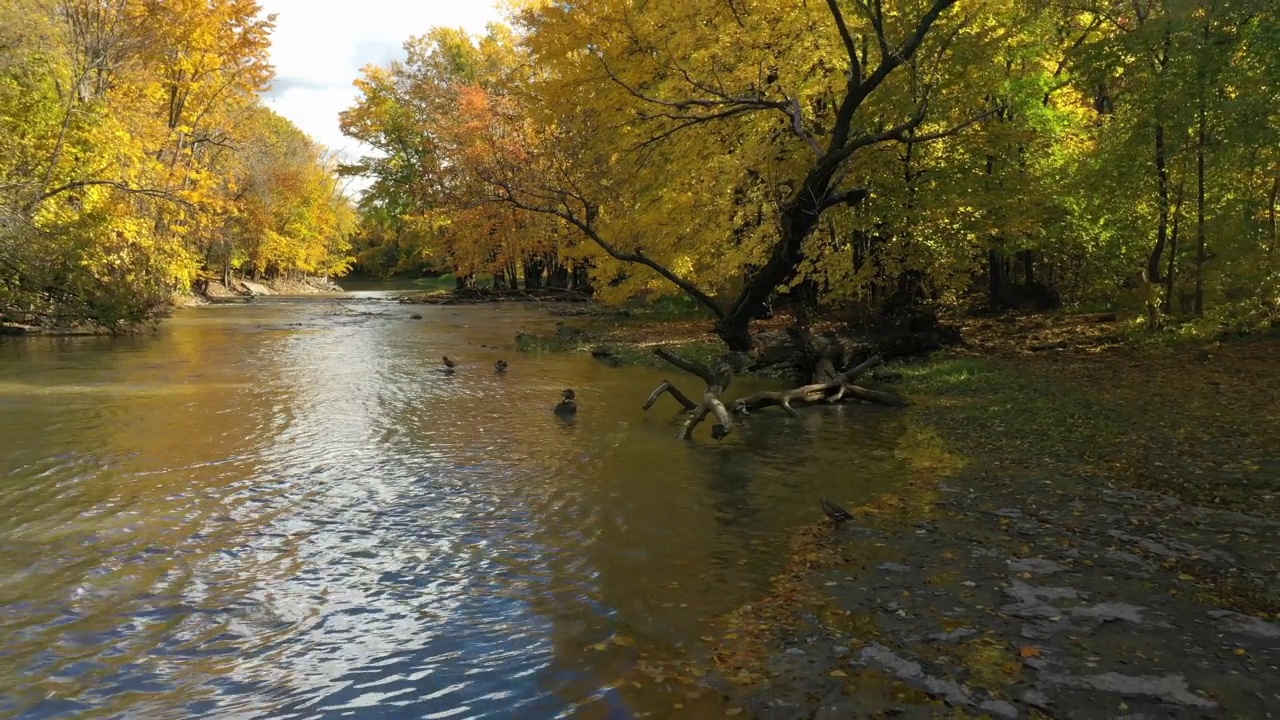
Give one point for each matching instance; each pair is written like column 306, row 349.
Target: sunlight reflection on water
column 284, row 509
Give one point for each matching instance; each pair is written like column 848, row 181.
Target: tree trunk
column 1162, row 225
column 1271, row 213
column 805, row 300
column 581, row 279
column 558, row 275
column 533, row 273
column 1172, row 275
column 1202, row 133
column 797, row 222
column 1028, row 266
column 995, row 279
column 1200, row 229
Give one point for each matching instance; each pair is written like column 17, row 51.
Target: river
column 284, row 509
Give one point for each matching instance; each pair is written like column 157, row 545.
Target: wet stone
column 999, row 708
column 1035, row 566
column 1245, row 625
column 1035, row 698
column 953, row 636
column 1167, row 688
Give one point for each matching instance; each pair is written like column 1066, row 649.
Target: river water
column 284, row 509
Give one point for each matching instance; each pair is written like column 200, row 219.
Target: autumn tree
column 122, row 124
column 744, row 125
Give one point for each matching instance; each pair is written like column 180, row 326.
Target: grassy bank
column 1196, row 421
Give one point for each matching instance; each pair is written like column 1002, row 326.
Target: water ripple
column 286, row 510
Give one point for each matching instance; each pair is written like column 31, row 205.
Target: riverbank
column 215, row 293
column 1092, row 529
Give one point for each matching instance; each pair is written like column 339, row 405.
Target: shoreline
column 1062, row 547
column 215, row 292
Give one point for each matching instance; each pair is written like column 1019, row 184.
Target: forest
column 138, row 161
column 871, row 157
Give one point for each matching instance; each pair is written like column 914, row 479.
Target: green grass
column 530, row 343
column 667, row 307
column 989, row 404
column 707, row 352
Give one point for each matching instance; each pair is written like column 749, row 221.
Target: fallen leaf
column 839, row 673
column 1029, row 651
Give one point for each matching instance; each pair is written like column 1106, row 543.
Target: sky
column 319, row 47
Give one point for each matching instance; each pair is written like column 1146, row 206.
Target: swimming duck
column 449, row 363
column 834, row 512
column 500, row 366
column 568, row 406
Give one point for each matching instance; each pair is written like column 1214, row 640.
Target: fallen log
column 712, row 405
column 833, row 391
column 673, row 391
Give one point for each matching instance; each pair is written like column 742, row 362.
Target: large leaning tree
column 705, row 140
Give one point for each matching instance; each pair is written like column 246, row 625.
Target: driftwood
column 667, row 387
column 837, row 387
column 833, row 391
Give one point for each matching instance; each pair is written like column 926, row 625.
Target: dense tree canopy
column 873, row 154
column 136, row 155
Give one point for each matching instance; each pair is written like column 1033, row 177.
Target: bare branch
column 930, row 137
column 850, row 197
column 855, row 68
column 689, row 366
column 668, row 388
column 586, row 224
column 858, row 92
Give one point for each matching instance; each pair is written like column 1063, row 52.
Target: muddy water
column 284, row 509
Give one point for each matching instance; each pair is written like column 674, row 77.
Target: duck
column 449, row 363
column 500, row 366
column 568, row 406
column 834, row 512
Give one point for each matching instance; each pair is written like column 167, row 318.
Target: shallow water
column 284, row 509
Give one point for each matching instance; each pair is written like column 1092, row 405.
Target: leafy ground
column 1093, row 531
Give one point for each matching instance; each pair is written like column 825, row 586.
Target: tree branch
column 149, row 192
column 586, row 225
column 851, row 197
column 855, row 67
column 857, row 92
column 689, row 366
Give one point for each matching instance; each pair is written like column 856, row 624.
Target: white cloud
column 319, row 47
